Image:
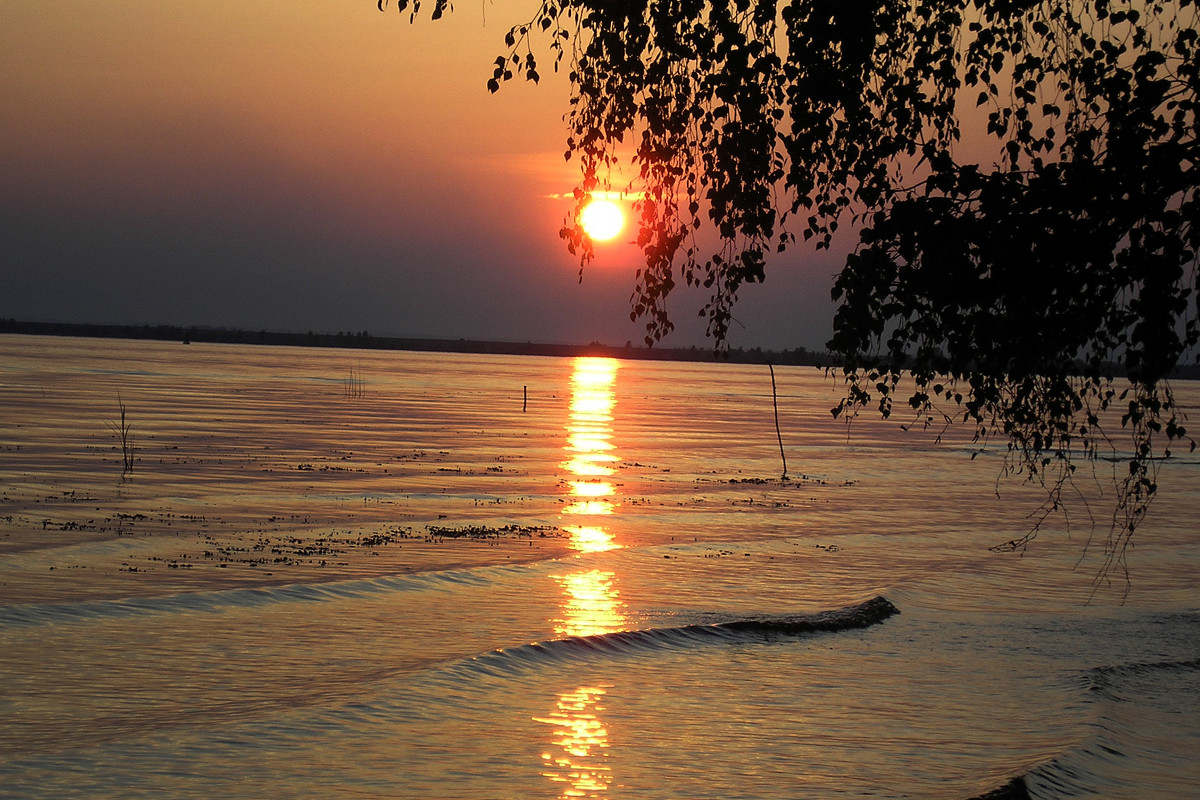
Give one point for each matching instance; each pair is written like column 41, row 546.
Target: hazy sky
column 312, row 165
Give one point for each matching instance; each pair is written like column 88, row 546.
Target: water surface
column 350, row 573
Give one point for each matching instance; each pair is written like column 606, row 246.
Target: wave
column 508, row 660
column 250, row 597
column 1016, row 789
column 1143, row 726
column 1111, row 680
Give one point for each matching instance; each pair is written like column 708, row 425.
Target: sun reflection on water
column 589, row 446
column 588, row 508
column 582, row 739
column 591, row 539
column 591, row 601
column 591, row 606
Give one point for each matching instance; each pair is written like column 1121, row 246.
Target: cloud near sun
column 595, row 195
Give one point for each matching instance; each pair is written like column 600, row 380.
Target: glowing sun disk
column 602, row 220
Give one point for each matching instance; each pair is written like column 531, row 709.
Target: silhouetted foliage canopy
column 1021, row 176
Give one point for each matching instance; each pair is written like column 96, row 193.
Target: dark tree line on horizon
column 1020, row 176
column 364, row 340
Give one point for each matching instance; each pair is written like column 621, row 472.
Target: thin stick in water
column 778, row 435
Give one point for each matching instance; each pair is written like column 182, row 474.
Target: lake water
column 404, row 575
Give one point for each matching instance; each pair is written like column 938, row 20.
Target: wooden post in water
column 524, row 398
column 778, row 435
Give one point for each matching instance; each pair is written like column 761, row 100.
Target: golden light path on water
column 591, row 602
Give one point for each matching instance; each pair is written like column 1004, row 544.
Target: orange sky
column 308, row 165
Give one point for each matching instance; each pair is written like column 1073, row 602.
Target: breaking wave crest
column 1143, row 717
column 582, row 648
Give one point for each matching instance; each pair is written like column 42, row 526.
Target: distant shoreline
column 365, row 341
column 362, row 340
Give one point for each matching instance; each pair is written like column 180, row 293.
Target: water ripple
column 1144, row 718
column 220, row 600
column 506, row 661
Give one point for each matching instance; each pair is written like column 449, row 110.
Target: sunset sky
column 312, row 165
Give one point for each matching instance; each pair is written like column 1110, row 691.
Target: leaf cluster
column 1014, row 293
column 1021, row 175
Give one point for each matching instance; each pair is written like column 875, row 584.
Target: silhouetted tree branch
column 1021, row 175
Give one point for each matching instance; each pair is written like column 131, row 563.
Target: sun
column 602, row 220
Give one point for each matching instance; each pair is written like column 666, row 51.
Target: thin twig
column 778, row 435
